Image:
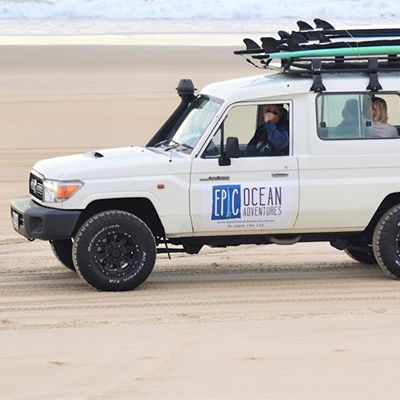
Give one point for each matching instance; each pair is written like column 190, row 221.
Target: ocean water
column 70, row 17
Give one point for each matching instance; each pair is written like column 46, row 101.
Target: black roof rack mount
column 324, row 36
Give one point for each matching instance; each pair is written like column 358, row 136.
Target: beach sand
column 58, row 100
column 252, row 322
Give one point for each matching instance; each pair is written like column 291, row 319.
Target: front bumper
column 37, row 222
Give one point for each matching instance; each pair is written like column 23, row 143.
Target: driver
column 272, row 137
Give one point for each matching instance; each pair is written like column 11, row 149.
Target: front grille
column 36, row 186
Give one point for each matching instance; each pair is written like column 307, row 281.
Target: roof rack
column 299, row 52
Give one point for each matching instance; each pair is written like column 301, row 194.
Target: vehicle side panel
column 342, row 182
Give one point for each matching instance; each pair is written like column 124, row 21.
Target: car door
column 252, row 195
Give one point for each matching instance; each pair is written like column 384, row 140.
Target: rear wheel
column 114, row 251
column 362, row 255
column 386, row 242
column 62, row 249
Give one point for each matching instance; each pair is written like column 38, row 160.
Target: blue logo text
column 226, row 202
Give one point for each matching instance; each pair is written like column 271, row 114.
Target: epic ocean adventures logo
column 235, row 201
column 226, row 202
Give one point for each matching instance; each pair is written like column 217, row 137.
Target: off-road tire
column 62, row 249
column 114, row 251
column 386, row 242
column 363, row 256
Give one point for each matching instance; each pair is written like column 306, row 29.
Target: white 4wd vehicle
column 107, row 213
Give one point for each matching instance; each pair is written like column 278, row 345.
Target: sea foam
column 30, row 17
column 270, row 10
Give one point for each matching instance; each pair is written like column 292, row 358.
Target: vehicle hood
column 107, row 163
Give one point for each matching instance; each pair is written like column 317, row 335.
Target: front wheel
column 386, row 241
column 114, row 251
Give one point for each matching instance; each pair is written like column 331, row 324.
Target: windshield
column 191, row 126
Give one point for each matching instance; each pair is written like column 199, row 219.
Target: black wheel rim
column 115, row 254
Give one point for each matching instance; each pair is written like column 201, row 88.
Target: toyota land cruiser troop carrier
column 107, row 213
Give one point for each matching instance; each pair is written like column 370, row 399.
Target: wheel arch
column 388, row 202
column 141, row 207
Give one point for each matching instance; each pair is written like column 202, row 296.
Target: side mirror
column 224, row 160
column 230, row 150
column 232, row 147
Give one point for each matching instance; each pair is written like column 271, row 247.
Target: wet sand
column 304, row 322
column 252, row 322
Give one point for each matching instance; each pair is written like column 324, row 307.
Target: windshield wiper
column 176, row 144
column 164, row 142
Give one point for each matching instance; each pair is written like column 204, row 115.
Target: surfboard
column 336, row 52
column 324, row 41
column 328, row 30
column 295, row 43
column 270, row 45
column 326, row 33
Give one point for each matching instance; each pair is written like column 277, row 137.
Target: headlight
column 55, row 191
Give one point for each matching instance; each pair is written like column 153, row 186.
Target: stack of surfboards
column 337, row 49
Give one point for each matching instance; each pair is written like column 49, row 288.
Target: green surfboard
column 339, row 52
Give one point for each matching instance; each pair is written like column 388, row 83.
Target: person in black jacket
column 272, row 137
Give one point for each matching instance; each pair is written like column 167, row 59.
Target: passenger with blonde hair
column 380, row 127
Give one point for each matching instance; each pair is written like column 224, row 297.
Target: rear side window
column 358, row 116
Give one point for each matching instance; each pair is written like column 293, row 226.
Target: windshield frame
column 189, row 148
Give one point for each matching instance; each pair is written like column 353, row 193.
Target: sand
column 252, row 322
column 58, row 100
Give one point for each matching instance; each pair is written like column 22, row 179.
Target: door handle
column 279, row 174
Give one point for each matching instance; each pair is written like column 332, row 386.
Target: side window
column 241, row 122
column 358, row 116
column 393, row 108
column 247, row 123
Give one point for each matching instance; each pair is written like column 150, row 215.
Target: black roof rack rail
column 315, row 67
column 317, row 86
column 373, row 67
